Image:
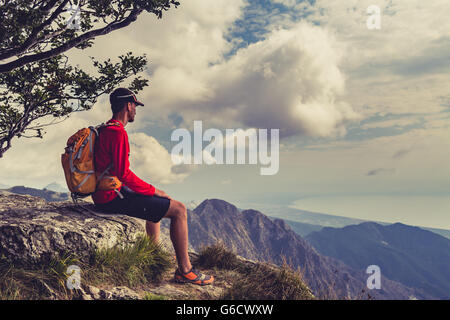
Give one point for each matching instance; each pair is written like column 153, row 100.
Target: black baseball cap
column 123, row 95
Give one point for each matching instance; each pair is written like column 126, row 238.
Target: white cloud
column 152, row 162
column 290, row 81
column 401, row 68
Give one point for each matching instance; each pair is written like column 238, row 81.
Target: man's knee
column 180, row 207
column 177, row 209
column 182, row 210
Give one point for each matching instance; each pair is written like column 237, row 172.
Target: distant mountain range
column 302, row 229
column 304, row 222
column 410, row 255
column 48, row 195
column 56, row 187
column 253, row 235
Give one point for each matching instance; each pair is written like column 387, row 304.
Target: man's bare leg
column 153, row 230
column 177, row 213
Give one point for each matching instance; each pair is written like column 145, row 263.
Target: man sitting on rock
column 137, row 198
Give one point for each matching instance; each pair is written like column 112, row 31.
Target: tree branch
column 49, row 6
column 32, row 39
column 70, row 44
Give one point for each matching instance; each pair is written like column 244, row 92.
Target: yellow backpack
column 79, row 165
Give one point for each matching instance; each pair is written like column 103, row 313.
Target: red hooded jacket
column 112, row 146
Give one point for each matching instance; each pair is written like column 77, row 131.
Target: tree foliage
column 37, row 81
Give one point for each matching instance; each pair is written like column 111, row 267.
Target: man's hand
column 161, row 193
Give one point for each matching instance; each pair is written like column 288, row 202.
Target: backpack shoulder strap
column 103, row 125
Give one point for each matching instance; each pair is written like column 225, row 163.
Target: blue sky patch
column 259, row 17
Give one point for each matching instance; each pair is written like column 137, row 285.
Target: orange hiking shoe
column 193, row 276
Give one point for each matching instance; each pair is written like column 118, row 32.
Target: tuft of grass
column 130, row 265
column 152, row 296
column 143, row 262
column 264, row 282
column 46, row 282
column 254, row 281
column 217, row 256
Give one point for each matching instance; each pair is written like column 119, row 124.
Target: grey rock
column 86, row 297
column 119, row 293
column 105, row 295
column 81, row 294
column 94, row 292
column 169, row 290
column 32, row 229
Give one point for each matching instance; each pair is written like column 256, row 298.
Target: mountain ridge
column 253, row 235
column 48, row 195
column 408, row 254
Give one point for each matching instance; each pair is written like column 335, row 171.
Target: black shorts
column 150, row 208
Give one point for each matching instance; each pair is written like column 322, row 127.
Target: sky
column 363, row 114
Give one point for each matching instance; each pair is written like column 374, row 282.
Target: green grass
column 258, row 282
column 26, row 283
column 217, row 256
column 140, row 263
column 263, row 282
column 143, row 263
column 132, row 265
column 152, row 296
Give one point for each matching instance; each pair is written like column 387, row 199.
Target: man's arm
column 161, row 193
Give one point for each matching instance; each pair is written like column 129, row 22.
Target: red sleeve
column 120, row 152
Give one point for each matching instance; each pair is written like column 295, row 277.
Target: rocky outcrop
column 32, row 229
